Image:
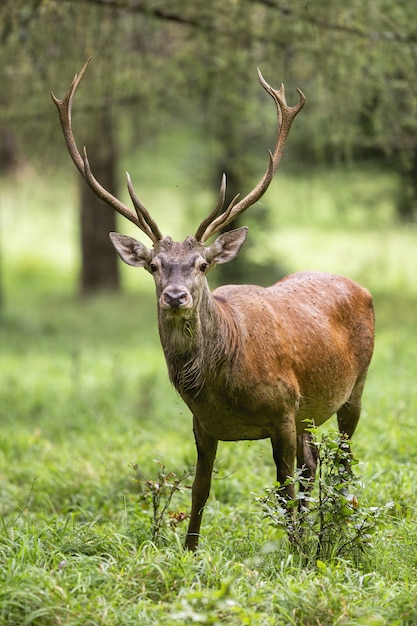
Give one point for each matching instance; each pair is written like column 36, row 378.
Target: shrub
column 333, row 521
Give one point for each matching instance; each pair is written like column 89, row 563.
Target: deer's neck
column 195, row 346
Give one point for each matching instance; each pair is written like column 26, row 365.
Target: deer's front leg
column 206, row 453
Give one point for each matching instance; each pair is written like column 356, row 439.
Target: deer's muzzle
column 175, row 298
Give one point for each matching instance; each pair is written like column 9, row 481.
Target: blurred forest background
column 172, row 96
column 172, row 88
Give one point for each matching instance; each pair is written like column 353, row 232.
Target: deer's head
column 179, row 269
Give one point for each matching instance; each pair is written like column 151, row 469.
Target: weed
column 157, row 496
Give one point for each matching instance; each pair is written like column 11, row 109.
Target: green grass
column 84, row 396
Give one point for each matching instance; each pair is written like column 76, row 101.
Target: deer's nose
column 175, row 297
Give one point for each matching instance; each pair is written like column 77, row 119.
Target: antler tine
column 219, row 205
column 148, row 224
column 285, row 117
column 141, row 218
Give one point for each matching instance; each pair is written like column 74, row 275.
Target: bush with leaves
column 332, row 520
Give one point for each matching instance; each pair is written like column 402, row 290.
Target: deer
column 250, row 362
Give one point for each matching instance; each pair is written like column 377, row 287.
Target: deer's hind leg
column 283, row 440
column 349, row 413
column 307, row 463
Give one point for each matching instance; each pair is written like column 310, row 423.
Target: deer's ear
column 130, row 250
column 227, row 246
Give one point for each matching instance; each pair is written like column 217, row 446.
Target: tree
column 38, row 36
column 99, row 268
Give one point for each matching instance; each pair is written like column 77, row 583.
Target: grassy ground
column 84, row 397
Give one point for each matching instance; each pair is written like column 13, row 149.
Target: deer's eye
column 153, row 267
column 203, row 266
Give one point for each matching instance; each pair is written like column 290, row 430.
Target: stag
column 249, row 362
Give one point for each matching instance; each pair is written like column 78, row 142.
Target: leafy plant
column 332, row 522
column 157, row 496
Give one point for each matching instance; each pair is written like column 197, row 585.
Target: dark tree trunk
column 1, row 286
column 407, row 201
column 99, row 264
column 8, row 151
column 8, row 165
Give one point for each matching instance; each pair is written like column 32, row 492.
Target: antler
column 285, row 116
column 141, row 216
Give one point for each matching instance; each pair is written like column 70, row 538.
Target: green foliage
column 332, row 523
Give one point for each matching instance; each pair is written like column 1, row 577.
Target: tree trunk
column 407, row 200
column 8, row 151
column 99, row 264
column 1, row 286
column 8, row 165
